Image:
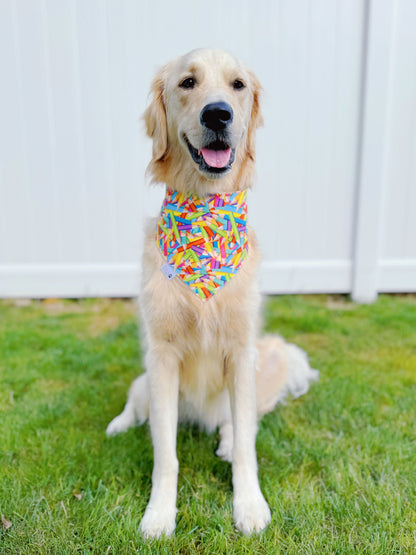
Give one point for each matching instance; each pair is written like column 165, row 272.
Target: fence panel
column 73, row 152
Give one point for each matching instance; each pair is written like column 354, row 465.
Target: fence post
column 372, row 150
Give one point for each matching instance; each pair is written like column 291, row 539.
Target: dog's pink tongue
column 216, row 158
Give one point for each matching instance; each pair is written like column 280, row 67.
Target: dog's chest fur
column 205, row 333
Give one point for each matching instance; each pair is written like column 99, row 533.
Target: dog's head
column 202, row 119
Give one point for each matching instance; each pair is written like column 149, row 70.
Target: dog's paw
column 120, row 423
column 251, row 514
column 225, row 450
column 157, row 523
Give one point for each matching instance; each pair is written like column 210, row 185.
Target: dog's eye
column 238, row 84
column 188, row 83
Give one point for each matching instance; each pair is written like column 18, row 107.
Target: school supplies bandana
column 204, row 239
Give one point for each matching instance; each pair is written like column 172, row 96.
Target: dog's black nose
column 216, row 115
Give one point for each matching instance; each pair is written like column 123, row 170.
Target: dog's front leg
column 251, row 512
column 163, row 374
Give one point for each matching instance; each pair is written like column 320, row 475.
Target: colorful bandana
column 204, row 239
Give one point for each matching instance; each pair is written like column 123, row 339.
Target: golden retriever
column 204, row 361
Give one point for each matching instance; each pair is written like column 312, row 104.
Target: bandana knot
column 204, row 239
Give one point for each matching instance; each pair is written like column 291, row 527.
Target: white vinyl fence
column 335, row 201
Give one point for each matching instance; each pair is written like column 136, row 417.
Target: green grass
column 337, row 466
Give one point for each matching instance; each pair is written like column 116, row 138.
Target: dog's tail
column 136, row 411
column 282, row 369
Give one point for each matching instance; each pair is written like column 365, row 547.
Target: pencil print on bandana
column 204, row 239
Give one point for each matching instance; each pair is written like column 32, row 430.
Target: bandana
column 204, row 239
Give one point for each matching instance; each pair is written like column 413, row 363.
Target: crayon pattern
column 204, row 238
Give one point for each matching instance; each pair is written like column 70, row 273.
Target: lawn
column 337, row 466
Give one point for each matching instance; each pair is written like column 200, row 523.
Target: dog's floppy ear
column 155, row 118
column 256, row 119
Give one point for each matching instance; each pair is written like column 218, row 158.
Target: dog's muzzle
column 216, row 156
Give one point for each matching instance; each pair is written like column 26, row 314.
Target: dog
column 204, row 360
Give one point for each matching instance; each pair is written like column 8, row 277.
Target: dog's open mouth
column 216, row 157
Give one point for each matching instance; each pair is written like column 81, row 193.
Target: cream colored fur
column 204, row 361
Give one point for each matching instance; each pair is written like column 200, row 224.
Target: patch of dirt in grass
column 103, row 323
column 56, row 307
column 311, row 340
column 50, row 386
column 110, row 316
column 18, row 302
column 340, row 302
